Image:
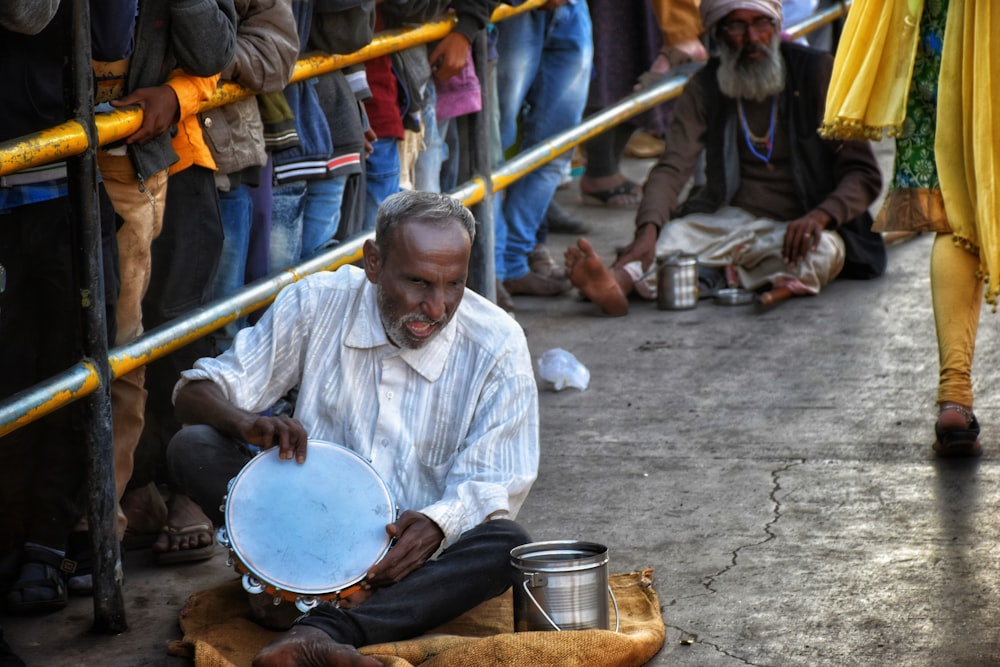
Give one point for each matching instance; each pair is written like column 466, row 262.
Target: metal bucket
column 561, row 585
column 677, row 283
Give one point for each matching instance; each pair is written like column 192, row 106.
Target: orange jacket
column 188, row 143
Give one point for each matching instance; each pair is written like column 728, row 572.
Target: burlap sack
column 218, row 632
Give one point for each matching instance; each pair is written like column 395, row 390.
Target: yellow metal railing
column 70, row 138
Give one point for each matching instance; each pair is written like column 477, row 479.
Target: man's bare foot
column 306, row 646
column 589, row 275
column 145, row 513
column 188, row 534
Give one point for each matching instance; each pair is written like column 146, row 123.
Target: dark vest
column 799, row 105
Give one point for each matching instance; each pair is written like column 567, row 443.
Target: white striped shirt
column 452, row 427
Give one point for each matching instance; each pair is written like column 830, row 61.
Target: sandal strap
column 43, row 556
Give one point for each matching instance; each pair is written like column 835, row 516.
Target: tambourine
column 306, row 532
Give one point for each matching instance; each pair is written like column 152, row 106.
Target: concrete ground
column 773, row 468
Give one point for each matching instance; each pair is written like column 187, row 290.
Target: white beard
column 753, row 80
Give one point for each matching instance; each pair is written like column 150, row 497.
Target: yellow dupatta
column 867, row 99
column 872, row 70
column 967, row 143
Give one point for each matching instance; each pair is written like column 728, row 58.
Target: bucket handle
column 614, row 601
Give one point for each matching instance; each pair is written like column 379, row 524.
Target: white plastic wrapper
column 562, row 369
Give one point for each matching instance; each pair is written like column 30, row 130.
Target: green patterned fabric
column 915, row 164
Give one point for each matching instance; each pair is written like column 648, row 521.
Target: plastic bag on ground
column 563, row 370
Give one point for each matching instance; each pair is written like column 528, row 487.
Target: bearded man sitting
column 782, row 211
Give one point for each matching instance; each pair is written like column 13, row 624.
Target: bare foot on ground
column 589, row 275
column 188, row 533
column 306, row 645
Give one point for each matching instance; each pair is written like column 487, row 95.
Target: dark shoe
column 504, row 299
column 40, row 586
column 81, row 580
column 7, row 656
column 710, row 281
column 626, row 194
column 540, row 261
column 957, row 442
column 559, row 221
column 537, row 285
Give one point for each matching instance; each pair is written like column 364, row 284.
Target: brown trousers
column 141, row 209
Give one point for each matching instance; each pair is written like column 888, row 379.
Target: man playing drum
column 428, row 381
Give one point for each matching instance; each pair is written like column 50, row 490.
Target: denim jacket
column 308, row 159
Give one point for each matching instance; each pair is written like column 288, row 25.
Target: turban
column 712, row 11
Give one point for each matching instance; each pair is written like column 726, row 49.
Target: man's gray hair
column 420, row 206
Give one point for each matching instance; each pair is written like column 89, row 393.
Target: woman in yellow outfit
column 901, row 65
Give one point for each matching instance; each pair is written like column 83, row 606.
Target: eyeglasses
column 740, row 28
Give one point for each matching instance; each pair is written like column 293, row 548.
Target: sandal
column 540, row 261
column 624, row 195
column 957, row 442
column 40, row 586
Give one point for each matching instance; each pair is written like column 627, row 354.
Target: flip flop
column 186, row 555
column 626, row 188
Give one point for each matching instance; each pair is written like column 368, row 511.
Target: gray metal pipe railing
column 108, row 601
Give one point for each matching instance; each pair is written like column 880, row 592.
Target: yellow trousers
column 957, row 297
column 680, row 20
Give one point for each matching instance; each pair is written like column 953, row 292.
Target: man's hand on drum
column 417, row 538
column 202, row 402
column 286, row 432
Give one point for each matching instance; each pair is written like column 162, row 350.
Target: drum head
column 310, row 529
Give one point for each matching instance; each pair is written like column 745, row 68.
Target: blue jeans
column 236, row 208
column 427, row 168
column 305, row 216
column 258, row 254
column 381, row 177
column 543, row 76
column 436, row 169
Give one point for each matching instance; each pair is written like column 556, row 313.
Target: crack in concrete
column 709, row 581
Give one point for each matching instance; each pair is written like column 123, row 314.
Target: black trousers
column 185, row 257
column 472, row 570
column 42, row 465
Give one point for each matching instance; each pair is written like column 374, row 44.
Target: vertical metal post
column 109, row 604
column 476, row 161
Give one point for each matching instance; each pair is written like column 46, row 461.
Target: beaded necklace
column 752, row 139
